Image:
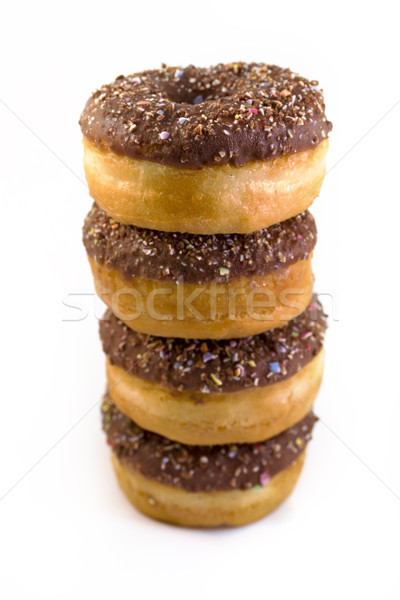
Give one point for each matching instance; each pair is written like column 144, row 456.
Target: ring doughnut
column 216, row 391
column 162, row 148
column 204, row 486
column 194, row 286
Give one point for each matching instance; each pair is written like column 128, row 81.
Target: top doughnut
column 191, row 122
column 234, row 113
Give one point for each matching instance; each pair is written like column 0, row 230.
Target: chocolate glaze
column 193, row 117
column 202, row 468
column 216, row 365
column 189, row 258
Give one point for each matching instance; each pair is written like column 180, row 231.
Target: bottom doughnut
column 204, row 486
column 206, row 509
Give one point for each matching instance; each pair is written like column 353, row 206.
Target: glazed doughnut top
column 162, row 256
column 203, row 468
column 218, row 366
column 193, row 117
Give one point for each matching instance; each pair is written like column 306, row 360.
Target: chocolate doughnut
column 214, row 286
column 216, row 391
column 204, row 485
column 226, row 149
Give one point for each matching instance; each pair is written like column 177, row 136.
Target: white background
column 66, row 531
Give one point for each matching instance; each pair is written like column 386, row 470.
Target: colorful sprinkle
column 239, row 371
column 306, row 335
column 215, row 379
column 233, row 451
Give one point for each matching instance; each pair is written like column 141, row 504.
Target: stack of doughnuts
column 200, row 243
